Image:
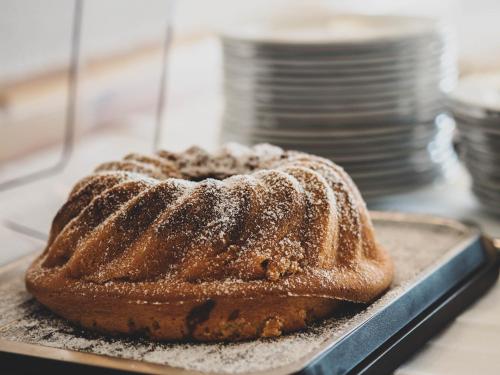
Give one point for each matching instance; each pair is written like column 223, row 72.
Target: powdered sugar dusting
column 241, row 214
column 231, row 159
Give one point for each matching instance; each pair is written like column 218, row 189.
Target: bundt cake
column 244, row 243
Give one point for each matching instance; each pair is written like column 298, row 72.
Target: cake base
column 218, row 319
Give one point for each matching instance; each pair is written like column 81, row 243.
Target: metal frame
column 68, row 144
column 69, row 130
column 71, row 110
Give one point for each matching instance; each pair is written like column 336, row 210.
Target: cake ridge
column 241, row 223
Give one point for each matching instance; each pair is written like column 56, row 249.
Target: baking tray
column 442, row 266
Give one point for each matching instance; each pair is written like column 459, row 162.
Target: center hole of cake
column 208, row 176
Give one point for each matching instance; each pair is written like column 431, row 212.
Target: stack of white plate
column 364, row 91
column 476, row 107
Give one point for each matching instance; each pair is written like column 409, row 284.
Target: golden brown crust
column 218, row 319
column 275, row 242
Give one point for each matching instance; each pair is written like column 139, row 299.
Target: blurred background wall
column 141, row 23
column 121, row 56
